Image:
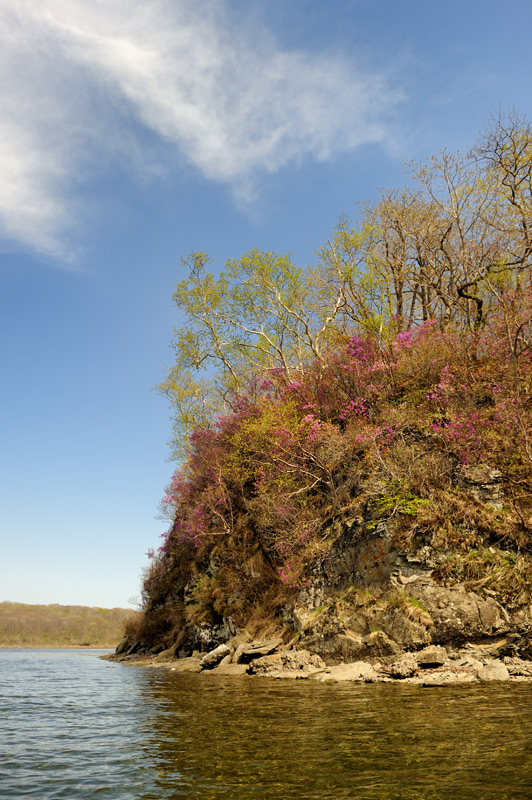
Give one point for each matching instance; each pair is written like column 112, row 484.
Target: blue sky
column 132, row 133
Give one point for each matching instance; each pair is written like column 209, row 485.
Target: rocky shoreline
column 431, row 666
column 368, row 614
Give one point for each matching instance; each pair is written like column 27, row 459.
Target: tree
column 448, row 248
column 262, row 314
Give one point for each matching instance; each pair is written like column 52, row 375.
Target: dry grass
column 23, row 625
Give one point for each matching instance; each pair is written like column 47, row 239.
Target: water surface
column 73, row 726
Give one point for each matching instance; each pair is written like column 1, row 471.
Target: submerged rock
column 190, row 664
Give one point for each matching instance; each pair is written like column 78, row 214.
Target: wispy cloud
column 78, row 76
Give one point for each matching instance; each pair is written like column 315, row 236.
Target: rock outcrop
column 369, row 611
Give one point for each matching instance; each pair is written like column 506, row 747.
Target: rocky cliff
column 367, row 601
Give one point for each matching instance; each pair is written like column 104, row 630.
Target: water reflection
column 74, row 726
column 220, row 737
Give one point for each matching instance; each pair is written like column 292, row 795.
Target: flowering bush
column 382, row 427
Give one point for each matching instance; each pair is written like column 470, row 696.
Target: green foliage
column 402, row 501
column 449, row 250
column 263, row 313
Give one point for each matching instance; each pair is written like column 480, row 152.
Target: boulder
column 247, row 652
column 292, row 664
column 468, row 661
column 458, row 614
column 483, row 483
column 123, row 645
column 242, row 637
column 517, row 666
column 523, row 647
column 404, row 667
column 213, row 658
column 336, row 647
column 134, row 648
column 493, row 671
column 380, row 644
column 443, row 678
column 359, row 671
column 169, row 654
column 225, row 668
column 432, row 656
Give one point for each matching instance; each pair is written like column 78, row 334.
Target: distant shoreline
column 56, row 627
column 57, row 646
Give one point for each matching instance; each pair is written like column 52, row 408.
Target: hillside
column 23, row 625
column 356, row 477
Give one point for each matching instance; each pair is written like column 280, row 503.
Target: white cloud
column 74, row 75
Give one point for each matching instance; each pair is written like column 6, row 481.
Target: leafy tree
column 450, row 248
column 263, row 313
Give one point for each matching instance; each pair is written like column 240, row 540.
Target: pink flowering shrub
column 252, row 503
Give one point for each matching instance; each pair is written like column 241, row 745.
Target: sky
column 134, row 133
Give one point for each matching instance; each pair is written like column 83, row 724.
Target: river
column 74, row 726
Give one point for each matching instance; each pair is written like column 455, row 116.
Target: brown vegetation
column 23, row 625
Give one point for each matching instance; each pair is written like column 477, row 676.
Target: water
column 73, row 726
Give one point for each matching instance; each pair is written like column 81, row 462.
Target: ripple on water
column 74, row 726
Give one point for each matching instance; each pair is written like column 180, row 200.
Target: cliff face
column 367, row 599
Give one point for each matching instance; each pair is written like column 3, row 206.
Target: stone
column 292, row 664
column 458, row 614
column 336, row 647
column 493, row 671
column 432, row 656
column 443, row 678
column 483, row 483
column 469, row 661
column 213, row 658
column 225, row 668
column 408, row 626
column 247, row 652
column 206, row 637
column 381, row 644
column 167, row 655
column 404, row 667
column 243, row 637
column 523, row 647
column 359, row 671
column 517, row 666
column 123, row 645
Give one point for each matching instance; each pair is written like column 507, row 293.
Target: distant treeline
column 23, row 625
